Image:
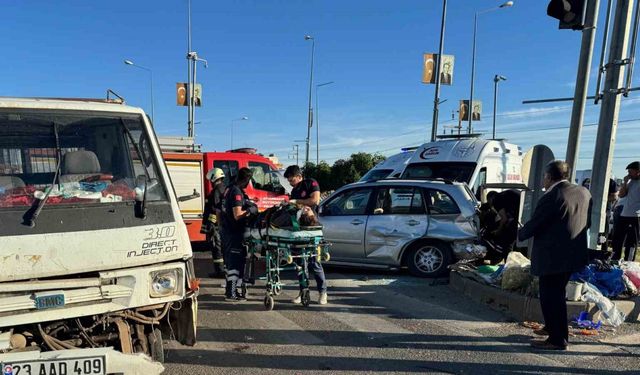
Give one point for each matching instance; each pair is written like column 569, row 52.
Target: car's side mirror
column 378, row 211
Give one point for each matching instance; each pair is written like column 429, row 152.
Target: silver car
column 421, row 225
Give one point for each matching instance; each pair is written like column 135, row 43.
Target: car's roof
column 396, row 181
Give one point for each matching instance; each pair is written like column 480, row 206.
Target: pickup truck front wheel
column 156, row 346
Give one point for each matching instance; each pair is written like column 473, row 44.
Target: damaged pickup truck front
column 96, row 265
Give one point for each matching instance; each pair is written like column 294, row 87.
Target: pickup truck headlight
column 164, row 283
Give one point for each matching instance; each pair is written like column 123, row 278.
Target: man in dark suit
column 559, row 227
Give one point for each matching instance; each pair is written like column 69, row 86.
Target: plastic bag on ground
column 632, row 289
column 516, row 273
column 632, row 271
column 611, row 314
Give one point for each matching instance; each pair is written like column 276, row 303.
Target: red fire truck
column 188, row 167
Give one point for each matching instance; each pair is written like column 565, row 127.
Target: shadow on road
column 237, row 358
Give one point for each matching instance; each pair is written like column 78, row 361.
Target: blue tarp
column 608, row 282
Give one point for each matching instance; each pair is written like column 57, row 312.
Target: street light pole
column 243, row 118
column 190, row 121
column 496, row 79
column 582, row 83
column 193, row 60
column 310, row 116
column 129, row 62
column 436, row 100
column 473, row 56
column 318, row 122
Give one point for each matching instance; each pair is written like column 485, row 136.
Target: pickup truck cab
column 94, row 252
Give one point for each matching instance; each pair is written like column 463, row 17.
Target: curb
column 523, row 308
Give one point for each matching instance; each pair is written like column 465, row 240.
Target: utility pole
column 310, row 115
column 496, row 79
column 296, row 152
column 582, row 84
column 190, row 124
column 607, row 126
column 436, row 100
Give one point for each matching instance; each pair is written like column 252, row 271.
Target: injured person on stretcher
column 288, row 221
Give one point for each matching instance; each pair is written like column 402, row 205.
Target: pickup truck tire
column 156, row 345
column 429, row 259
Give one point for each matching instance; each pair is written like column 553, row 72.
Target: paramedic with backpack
column 236, row 208
column 211, row 219
column 306, row 191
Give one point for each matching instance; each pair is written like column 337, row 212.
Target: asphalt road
column 381, row 322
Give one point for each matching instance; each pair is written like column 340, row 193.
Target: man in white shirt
column 628, row 225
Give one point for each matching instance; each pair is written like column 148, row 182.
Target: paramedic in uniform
column 236, row 208
column 210, row 219
column 306, row 191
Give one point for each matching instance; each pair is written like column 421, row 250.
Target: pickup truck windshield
column 99, row 162
column 454, row 171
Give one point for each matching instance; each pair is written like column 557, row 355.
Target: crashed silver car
column 421, row 225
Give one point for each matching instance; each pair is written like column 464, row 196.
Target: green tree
column 343, row 171
column 321, row 173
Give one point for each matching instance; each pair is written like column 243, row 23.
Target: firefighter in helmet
column 211, row 219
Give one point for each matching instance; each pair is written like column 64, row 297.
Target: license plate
column 66, row 366
column 49, row 301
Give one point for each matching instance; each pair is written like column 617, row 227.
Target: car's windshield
column 376, row 174
column 454, row 171
column 99, row 162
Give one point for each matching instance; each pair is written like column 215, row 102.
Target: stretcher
column 284, row 249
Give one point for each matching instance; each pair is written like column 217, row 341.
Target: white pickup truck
column 96, row 264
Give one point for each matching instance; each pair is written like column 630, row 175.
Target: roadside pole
column 609, row 112
column 436, row 100
column 582, row 84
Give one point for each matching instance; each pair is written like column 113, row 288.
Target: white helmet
column 215, row 174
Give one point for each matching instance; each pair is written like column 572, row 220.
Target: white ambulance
column 391, row 167
column 467, row 158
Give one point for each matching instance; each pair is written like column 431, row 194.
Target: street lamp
column 496, row 79
column 243, row 118
column 318, row 122
column 129, row 62
column 473, row 55
column 436, row 100
column 310, row 116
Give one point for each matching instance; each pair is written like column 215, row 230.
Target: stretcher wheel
column 306, row 298
column 277, row 289
column 268, row 303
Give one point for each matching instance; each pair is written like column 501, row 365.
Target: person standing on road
column 306, row 191
column 628, row 224
column 559, row 227
column 236, row 208
column 211, row 219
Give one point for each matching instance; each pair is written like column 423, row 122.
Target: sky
column 259, row 64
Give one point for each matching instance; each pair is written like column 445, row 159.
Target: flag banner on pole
column 476, row 110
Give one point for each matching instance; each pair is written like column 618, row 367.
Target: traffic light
column 569, row 12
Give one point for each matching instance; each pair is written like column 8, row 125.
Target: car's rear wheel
column 429, row 259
